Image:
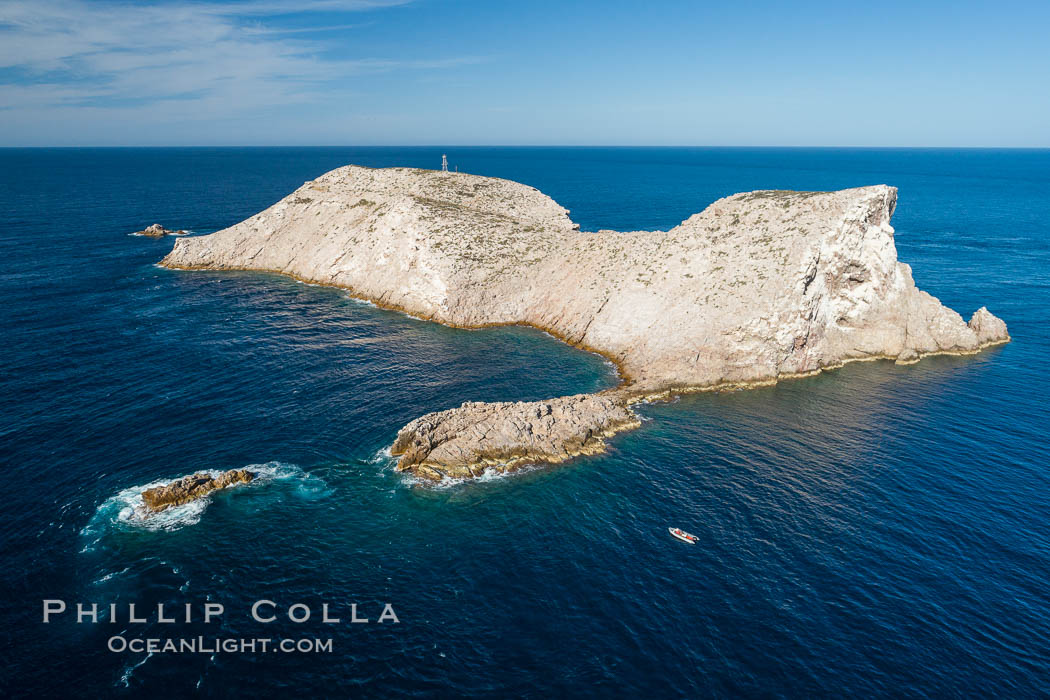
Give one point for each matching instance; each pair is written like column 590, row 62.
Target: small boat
column 683, row 535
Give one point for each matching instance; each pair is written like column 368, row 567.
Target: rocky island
column 158, row 231
column 463, row 442
column 758, row 287
column 192, row 488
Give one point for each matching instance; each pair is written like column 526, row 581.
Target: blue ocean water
column 877, row 531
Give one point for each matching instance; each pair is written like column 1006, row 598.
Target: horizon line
column 497, row 145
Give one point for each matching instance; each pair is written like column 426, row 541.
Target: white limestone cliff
column 757, row 287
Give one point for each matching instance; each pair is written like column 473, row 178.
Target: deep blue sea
column 877, row 531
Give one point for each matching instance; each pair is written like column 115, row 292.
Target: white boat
column 683, row 535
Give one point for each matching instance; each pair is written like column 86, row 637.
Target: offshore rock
column 191, row 488
column 757, row 287
column 158, row 231
column 463, row 442
column 989, row 329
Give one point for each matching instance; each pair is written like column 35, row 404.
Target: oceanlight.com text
column 219, row 645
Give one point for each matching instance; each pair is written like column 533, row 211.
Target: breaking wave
column 489, row 475
column 383, row 456
column 360, row 301
column 127, row 511
column 388, row 462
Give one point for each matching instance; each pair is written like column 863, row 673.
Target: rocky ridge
column 757, row 287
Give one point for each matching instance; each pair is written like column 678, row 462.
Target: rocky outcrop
column 462, row 442
column 158, row 231
column 989, row 329
column 191, row 488
column 757, row 287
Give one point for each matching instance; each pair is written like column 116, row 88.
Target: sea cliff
column 757, row 287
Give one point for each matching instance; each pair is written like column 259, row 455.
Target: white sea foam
column 173, row 233
column 362, row 302
column 488, row 475
column 125, row 679
column 113, row 574
column 127, row 511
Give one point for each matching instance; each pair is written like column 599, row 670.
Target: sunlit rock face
column 192, row 488
column 462, row 442
column 756, row 287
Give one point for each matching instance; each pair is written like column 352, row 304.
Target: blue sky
column 262, row 72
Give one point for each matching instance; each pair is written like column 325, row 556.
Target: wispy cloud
column 260, row 29
column 60, row 56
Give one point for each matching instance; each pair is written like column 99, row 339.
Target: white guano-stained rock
column 989, row 329
column 756, row 287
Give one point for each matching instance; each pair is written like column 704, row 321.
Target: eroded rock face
column 191, row 488
column 989, row 329
column 756, row 287
column 158, row 231
column 463, row 442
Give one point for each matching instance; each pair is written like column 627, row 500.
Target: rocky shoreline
column 463, row 442
column 758, row 287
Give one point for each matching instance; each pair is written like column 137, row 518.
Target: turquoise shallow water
column 876, row 531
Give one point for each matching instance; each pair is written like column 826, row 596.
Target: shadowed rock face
column 191, row 488
column 757, row 287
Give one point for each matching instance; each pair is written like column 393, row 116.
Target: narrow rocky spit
column 758, row 287
column 463, row 442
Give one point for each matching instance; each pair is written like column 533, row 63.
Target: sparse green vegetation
column 787, row 196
